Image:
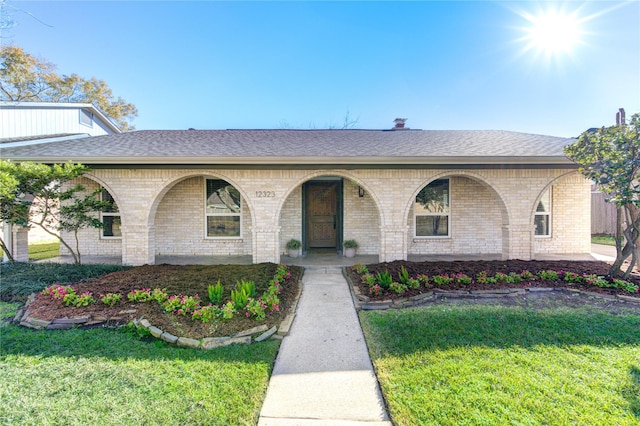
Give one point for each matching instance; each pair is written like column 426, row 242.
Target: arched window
column 223, row 210
column 542, row 218
column 432, row 210
column 110, row 217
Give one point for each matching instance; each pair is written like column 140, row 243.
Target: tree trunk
column 7, row 251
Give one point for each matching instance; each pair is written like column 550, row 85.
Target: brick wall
column 492, row 211
column 475, row 222
column 180, row 224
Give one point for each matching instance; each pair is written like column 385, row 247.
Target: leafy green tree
column 32, row 193
column 610, row 157
column 23, row 77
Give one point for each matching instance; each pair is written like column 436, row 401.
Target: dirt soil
column 185, row 280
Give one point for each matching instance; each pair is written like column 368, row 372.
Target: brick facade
column 492, row 211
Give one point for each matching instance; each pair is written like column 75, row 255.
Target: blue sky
column 442, row 65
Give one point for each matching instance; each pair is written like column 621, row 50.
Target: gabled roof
column 64, row 105
column 304, row 147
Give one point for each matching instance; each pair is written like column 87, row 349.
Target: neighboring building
column 26, row 123
column 19, row 120
column 399, row 193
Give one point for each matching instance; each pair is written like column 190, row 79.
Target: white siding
column 38, row 121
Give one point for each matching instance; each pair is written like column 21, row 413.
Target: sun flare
column 554, row 32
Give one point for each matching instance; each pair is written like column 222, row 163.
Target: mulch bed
column 173, row 278
column 472, row 268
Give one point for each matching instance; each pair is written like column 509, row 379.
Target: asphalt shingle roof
column 272, row 146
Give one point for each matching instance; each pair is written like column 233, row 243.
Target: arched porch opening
column 201, row 216
column 457, row 216
column 325, row 208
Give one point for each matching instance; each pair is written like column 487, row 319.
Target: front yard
column 487, row 365
column 109, row 377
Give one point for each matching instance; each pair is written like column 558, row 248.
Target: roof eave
column 284, row 161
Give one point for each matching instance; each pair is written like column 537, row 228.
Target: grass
column 21, row 279
column 106, row 377
column 487, row 365
column 603, row 239
column 44, row 250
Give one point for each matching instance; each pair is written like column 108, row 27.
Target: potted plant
column 294, row 247
column 350, row 247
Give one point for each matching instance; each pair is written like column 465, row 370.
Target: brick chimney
column 400, row 124
column 620, row 118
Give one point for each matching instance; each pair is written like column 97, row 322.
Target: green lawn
column 603, row 239
column 493, row 365
column 109, row 377
column 46, row 250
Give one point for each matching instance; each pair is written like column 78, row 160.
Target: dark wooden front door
column 321, row 212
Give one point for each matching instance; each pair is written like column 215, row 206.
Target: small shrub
column 403, row 276
column 110, row 299
column 256, row 308
column 375, row 290
column 442, row 279
column 384, row 279
column 625, row 285
column 413, row 283
column 139, row 296
column 368, row 279
column 182, row 305
column 350, row 244
column 423, row 280
column 293, row 244
column 57, row 291
column 249, row 287
column 159, row 295
column 360, row 269
column 515, row 277
column 84, row 299
column 503, row 278
column 398, row 288
column 548, row 275
column 527, row 275
column 596, row 280
column 215, row 292
column 228, row 310
column 572, row 277
column 206, row 314
column 239, row 298
column 461, row 278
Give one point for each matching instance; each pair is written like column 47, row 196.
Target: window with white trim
column 542, row 218
column 86, row 118
column 432, row 210
column 110, row 217
column 223, row 211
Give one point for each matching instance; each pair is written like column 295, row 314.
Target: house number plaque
column 265, row 194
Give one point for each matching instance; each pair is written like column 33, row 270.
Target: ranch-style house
column 400, row 193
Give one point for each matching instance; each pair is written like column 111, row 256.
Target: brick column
column 266, row 244
column 393, row 244
column 20, row 243
column 138, row 244
column 518, row 239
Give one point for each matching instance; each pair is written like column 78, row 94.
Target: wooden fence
column 603, row 215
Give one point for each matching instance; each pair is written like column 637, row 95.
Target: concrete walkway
column 323, row 374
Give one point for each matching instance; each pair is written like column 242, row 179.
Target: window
column 432, row 211
column 222, row 210
column 542, row 219
column 110, row 217
column 86, row 118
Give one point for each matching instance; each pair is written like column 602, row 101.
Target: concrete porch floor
column 323, row 260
